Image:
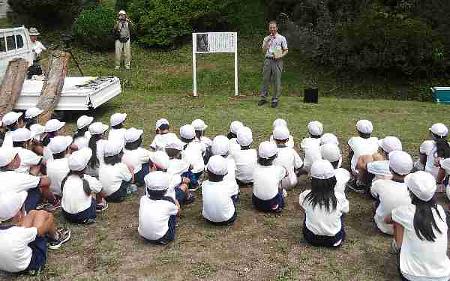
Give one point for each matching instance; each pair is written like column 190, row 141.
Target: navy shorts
column 228, row 222
column 275, row 204
column 170, row 234
column 139, row 176
column 322, row 240
column 39, row 253
column 120, row 194
column 33, row 199
column 84, row 216
column 180, row 195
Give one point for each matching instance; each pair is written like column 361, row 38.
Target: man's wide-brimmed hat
column 33, row 31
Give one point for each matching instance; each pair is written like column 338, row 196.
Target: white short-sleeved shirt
column 361, row 146
column 136, row 157
column 15, row 254
column 74, row 199
column 267, row 180
column 175, row 181
column 342, row 177
column 217, row 203
column 231, row 176
column 421, row 259
column 234, row 146
column 289, row 159
column 57, row 170
column 177, row 167
column 154, row 217
column 117, row 134
column 430, row 165
column 37, row 48
column 160, row 141
column 205, row 142
column 83, row 141
column 245, row 164
column 27, row 159
column 7, row 140
column 320, row 221
column 311, row 151
column 290, row 143
column 17, row 182
column 47, row 154
column 193, row 154
column 112, row 176
column 391, row 194
column 275, row 44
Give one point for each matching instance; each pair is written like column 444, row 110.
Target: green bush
column 165, row 23
column 93, row 28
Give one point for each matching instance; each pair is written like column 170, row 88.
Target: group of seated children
column 42, row 169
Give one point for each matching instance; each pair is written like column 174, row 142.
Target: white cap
column 117, row 118
column 122, row 12
column 364, row 126
column 220, row 145
column 59, row 143
column 36, row 130
column 445, row 164
column 279, row 122
column 175, row 143
column 244, row 136
column 113, row 147
column 322, row 169
column 199, row 125
column 161, row 122
column 97, row 128
column 421, row 184
column 329, row 138
column 53, row 125
column 133, row 134
column 21, row 134
column 315, row 128
column 217, row 165
column 330, row 152
column 235, row 125
column 11, row 203
column 438, row 129
column 157, row 180
column 281, row 133
column 379, row 168
column 390, row 143
column 187, row 132
column 7, row 155
column 84, row 121
column 400, row 162
column 267, row 149
column 426, row 147
column 160, row 159
column 80, row 159
column 33, row 112
column 11, row 118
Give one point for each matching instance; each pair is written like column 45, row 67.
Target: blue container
column 441, row 94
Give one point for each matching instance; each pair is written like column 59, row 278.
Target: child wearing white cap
column 329, row 138
column 24, row 242
column 440, row 149
column 424, row 149
column 117, row 131
column 78, row 203
column 157, row 212
column 391, row 193
column 324, row 208
column 31, row 116
column 11, row 121
column 36, row 145
column 96, row 144
column 420, row 232
column 281, row 122
column 192, row 154
column 221, row 146
column 218, row 195
column 311, row 144
column 37, row 187
column 267, row 192
column 135, row 155
column 82, row 135
column 332, row 153
column 114, row 175
column 30, row 162
column 200, row 127
column 163, row 135
column 245, row 158
column 287, row 157
column 52, row 128
column 232, row 135
column 58, row 166
column 443, row 175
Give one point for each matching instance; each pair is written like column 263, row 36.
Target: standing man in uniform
column 122, row 33
column 275, row 48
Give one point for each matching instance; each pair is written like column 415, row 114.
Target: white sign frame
column 213, row 44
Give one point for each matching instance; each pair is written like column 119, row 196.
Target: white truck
column 78, row 94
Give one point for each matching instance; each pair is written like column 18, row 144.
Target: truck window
column 10, row 43
column 19, row 41
column 2, row 44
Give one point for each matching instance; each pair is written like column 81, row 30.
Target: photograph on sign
column 202, row 43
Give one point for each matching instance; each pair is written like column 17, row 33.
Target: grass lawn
column 258, row 246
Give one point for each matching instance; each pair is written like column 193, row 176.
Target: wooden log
column 53, row 86
column 12, row 84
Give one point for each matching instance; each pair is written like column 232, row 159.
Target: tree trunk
column 53, row 86
column 12, row 84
